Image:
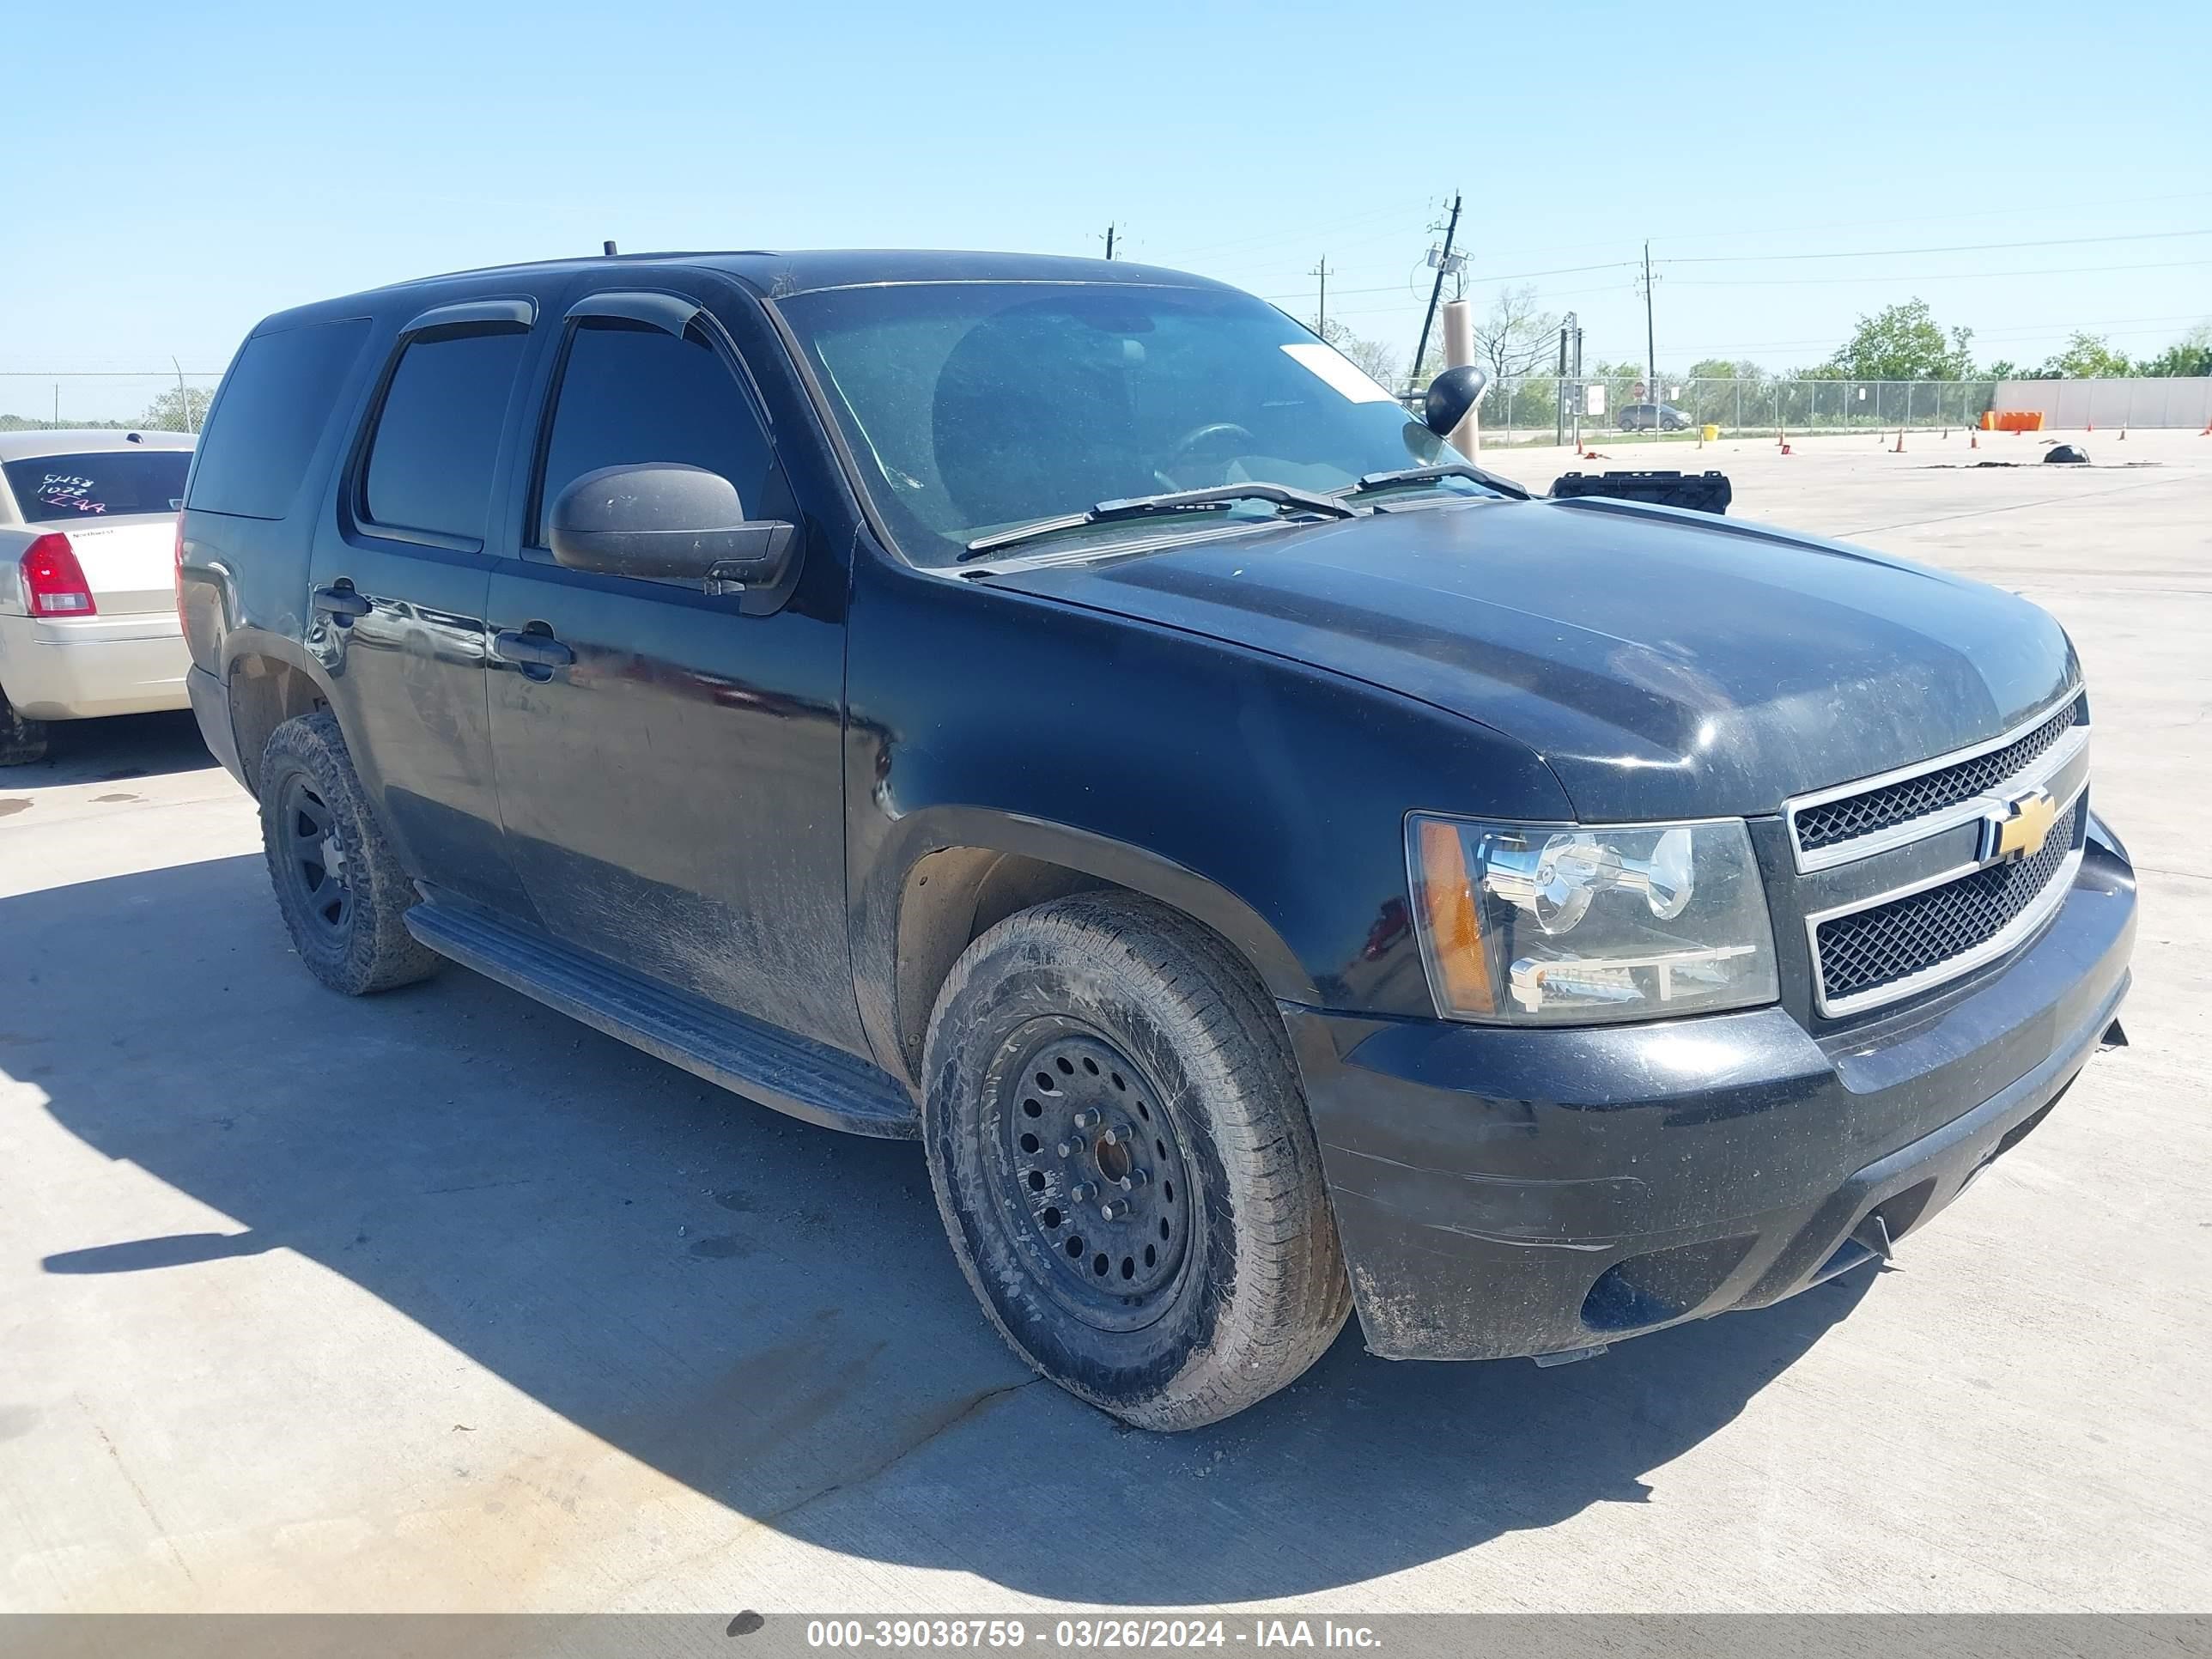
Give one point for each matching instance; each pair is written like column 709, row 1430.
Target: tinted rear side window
column 104, row 484
column 630, row 394
column 437, row 436
column 273, row 405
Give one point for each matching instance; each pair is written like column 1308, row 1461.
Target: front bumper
column 1502, row 1192
column 80, row 667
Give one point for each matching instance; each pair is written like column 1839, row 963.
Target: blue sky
column 179, row 172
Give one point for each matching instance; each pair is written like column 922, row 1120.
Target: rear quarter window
column 102, row 484
column 273, row 407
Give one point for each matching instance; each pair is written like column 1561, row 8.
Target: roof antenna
column 610, row 248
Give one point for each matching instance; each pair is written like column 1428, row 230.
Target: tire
column 339, row 883
column 21, row 741
column 1113, row 1004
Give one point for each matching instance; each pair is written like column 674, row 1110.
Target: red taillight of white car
column 53, row 581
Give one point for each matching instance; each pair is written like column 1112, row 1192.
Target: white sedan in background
column 87, row 580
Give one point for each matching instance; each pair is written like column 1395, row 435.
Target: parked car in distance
column 1063, row 712
column 88, row 578
column 1643, row 417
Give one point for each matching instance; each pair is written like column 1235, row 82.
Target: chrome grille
column 1832, row 823
column 1942, row 930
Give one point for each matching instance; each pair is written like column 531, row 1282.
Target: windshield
column 104, row 483
column 972, row 407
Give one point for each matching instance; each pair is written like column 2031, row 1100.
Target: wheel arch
column 267, row 680
column 952, row 872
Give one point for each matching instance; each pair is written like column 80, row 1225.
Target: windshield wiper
column 1421, row 475
column 1172, row 502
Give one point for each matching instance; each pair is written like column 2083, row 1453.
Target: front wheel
column 1123, row 1159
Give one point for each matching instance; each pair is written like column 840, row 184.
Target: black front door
column 669, row 761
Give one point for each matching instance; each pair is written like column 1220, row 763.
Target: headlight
column 1538, row 924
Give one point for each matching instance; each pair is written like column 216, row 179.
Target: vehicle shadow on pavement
column 111, row 751
column 762, row 1310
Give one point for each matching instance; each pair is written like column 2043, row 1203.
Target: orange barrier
column 2012, row 420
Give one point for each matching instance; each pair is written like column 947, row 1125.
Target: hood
column 1664, row 664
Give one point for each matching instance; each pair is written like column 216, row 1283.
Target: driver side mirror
column 1451, row 394
column 663, row 520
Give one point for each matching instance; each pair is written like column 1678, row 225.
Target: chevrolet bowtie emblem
column 2017, row 829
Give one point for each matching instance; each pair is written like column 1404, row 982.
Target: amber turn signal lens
column 1447, row 904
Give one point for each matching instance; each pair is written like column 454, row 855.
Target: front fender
column 1262, row 796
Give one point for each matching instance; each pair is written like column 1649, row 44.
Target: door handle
column 340, row 602
column 530, row 649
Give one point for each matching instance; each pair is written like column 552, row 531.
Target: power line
column 2041, row 208
column 1957, row 248
column 2011, row 331
column 1931, row 276
column 1508, row 276
column 1304, row 230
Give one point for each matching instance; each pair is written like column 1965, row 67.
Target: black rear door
column 673, row 790
column 396, row 607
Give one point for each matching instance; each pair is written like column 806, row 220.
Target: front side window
column 436, row 441
column 972, row 407
column 632, row 394
column 102, row 485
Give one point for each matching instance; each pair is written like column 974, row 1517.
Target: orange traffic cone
column 2091, row 427
column 1899, row 450
column 1973, row 438
column 2123, row 432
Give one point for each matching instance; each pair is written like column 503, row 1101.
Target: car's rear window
column 103, row 485
column 273, row 405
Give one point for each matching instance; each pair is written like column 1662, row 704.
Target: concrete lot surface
column 436, row 1300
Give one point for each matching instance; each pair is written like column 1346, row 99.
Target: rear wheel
column 21, row 741
column 339, row 883
column 1124, row 1161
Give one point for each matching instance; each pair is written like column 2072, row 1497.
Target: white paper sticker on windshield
column 1343, row 375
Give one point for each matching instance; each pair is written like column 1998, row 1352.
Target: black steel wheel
column 1118, row 1141
column 341, row 888
column 311, row 859
column 1095, row 1169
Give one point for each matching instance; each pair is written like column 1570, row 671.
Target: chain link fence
column 153, row 401
column 1541, row 409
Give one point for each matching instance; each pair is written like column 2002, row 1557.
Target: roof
column 81, row 441
column 774, row 274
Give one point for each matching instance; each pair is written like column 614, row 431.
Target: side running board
column 791, row 1073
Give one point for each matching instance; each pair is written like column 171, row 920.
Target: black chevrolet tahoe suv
column 1064, row 713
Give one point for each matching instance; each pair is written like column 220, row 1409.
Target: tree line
column 1517, row 340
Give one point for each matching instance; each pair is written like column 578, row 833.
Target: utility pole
column 1650, row 350
column 1109, row 240
column 1575, row 324
column 1320, row 308
column 1436, row 289
column 1560, row 402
